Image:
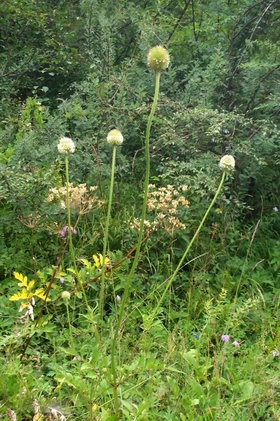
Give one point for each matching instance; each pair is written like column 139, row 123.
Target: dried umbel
column 31, row 221
column 166, row 204
column 227, row 162
column 82, row 199
column 66, row 146
column 158, row 58
column 115, row 137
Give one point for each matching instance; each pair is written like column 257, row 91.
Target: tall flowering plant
column 157, row 60
column 114, row 138
column 65, row 147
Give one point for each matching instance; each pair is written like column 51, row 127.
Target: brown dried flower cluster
column 82, row 199
column 30, row 221
column 166, row 204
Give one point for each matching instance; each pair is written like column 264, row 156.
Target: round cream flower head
column 66, row 145
column 65, row 295
column 115, row 137
column 227, row 162
column 158, row 58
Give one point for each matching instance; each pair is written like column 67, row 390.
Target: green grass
column 177, row 369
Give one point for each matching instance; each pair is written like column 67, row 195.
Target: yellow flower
column 27, row 292
column 23, row 279
column 22, row 295
column 98, row 260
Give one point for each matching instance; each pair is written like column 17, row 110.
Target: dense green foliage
column 78, row 69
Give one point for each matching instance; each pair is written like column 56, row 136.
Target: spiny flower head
column 66, row 146
column 158, row 58
column 227, row 163
column 115, row 137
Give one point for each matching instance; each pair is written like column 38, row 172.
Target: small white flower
column 115, row 137
column 30, row 313
column 65, row 295
column 227, row 162
column 275, row 353
column 66, row 146
column 275, row 209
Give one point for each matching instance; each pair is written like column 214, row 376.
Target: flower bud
column 63, row 231
column 227, row 162
column 158, row 58
column 115, row 137
column 66, row 146
column 65, row 295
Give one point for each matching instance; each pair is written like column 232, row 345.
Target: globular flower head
column 115, row 137
column 158, row 58
column 66, row 146
column 236, row 343
column 65, row 295
column 225, row 338
column 227, row 163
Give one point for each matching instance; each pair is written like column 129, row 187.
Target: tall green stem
column 72, row 250
column 139, row 242
column 153, row 315
column 68, row 208
column 69, row 324
column 106, row 234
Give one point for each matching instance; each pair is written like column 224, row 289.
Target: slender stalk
column 68, row 208
column 69, row 324
column 71, row 247
column 106, row 234
column 139, row 242
column 173, row 276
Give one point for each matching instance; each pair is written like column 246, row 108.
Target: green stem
column 72, row 250
column 68, row 208
column 153, row 315
column 69, row 324
column 139, row 242
column 106, row 234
